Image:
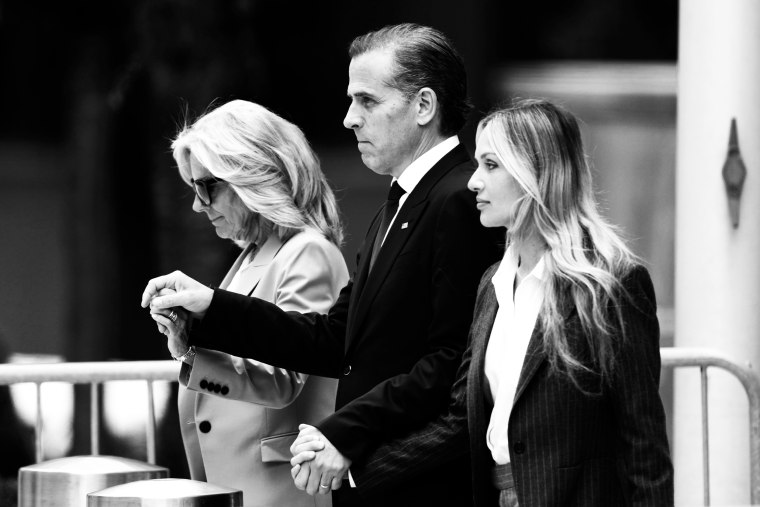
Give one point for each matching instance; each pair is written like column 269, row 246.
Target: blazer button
column 347, row 370
column 518, row 447
column 204, row 426
column 204, row 383
column 225, row 390
column 217, row 388
column 210, row 386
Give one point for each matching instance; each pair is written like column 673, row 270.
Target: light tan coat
column 239, row 416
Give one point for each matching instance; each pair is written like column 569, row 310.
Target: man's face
column 383, row 120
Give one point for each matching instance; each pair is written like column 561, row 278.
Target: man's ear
column 427, row 106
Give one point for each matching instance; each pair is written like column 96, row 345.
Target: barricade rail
column 95, row 373
column 678, row 357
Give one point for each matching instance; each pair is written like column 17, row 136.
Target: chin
column 370, row 163
column 222, row 233
column 491, row 222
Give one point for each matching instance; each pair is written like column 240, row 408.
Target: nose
column 198, row 206
column 352, row 119
column 475, row 184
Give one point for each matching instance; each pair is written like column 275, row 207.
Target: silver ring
column 173, row 316
column 323, row 486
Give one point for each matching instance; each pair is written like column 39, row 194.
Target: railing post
column 705, row 437
column 150, row 429
column 94, row 418
column 38, row 454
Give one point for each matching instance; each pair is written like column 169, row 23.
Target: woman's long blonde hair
column 540, row 145
column 267, row 162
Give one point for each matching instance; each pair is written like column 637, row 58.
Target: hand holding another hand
column 318, row 467
column 189, row 294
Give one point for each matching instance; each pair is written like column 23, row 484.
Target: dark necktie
column 391, row 206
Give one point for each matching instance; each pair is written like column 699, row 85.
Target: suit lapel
column 235, row 266
column 535, row 354
column 478, row 391
column 249, row 277
column 399, row 233
column 362, row 269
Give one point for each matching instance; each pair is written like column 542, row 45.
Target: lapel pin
column 405, row 225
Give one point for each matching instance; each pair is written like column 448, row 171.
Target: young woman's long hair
column 540, row 145
column 267, row 162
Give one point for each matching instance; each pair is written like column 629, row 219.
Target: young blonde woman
column 557, row 399
column 259, row 183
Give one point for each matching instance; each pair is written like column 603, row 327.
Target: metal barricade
column 93, row 373
column 677, row 357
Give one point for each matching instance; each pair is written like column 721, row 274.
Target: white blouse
column 508, row 343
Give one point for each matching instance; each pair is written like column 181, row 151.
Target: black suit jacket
column 603, row 447
column 396, row 335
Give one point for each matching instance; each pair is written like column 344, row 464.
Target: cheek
column 238, row 215
column 229, row 206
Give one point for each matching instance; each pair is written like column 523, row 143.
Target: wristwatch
column 187, row 357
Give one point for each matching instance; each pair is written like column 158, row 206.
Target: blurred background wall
column 92, row 92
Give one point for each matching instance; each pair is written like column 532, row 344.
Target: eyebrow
column 360, row 94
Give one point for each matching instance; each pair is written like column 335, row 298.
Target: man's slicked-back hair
column 423, row 57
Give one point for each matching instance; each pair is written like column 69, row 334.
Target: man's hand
column 189, row 294
column 318, row 467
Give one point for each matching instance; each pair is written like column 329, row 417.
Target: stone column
column 717, row 278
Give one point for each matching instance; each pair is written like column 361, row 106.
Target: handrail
column 675, row 357
column 98, row 372
column 88, row 372
column 92, row 373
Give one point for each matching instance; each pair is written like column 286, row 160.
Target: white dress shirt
column 508, row 344
column 418, row 169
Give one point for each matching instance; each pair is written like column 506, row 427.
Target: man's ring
column 323, row 486
column 173, row 316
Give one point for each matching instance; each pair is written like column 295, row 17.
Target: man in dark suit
column 396, row 334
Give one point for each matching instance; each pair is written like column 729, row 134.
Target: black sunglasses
column 202, row 188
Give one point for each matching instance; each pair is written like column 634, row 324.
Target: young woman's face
column 229, row 216
column 497, row 191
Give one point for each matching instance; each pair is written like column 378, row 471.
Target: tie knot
column 395, row 192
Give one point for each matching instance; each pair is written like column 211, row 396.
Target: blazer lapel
column 235, row 266
column 362, row 269
column 398, row 234
column 478, row 393
column 249, row 277
column 535, row 354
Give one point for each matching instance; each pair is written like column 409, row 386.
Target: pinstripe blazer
column 606, row 446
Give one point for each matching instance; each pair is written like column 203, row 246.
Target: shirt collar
column 419, row 168
column 504, row 277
